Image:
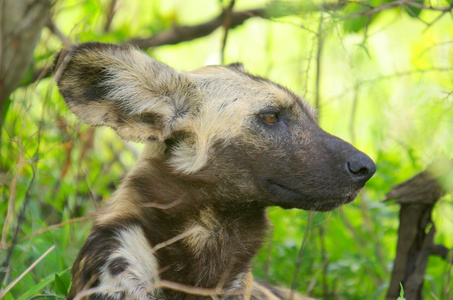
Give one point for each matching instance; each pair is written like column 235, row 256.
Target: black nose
column 360, row 167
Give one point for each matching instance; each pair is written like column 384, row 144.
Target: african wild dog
column 222, row 145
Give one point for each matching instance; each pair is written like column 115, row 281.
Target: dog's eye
column 270, row 118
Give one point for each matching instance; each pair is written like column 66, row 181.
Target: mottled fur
column 222, row 145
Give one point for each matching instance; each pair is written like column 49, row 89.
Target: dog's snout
column 360, row 167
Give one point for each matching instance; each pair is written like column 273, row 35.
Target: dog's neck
column 199, row 241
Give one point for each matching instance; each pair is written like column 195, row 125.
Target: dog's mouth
column 289, row 197
column 283, row 189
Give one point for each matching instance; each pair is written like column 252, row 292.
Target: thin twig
column 162, row 206
column 360, row 241
column 388, row 77
column 11, row 201
column 325, row 261
column 226, row 27
column 374, row 10
column 180, row 34
column 355, row 101
column 15, row 281
column 196, row 290
column 318, row 67
column 440, row 16
column 113, row 7
column 19, row 223
column 301, row 253
column 66, row 40
column 89, row 186
column 207, row 292
column 176, row 238
column 44, row 230
column 369, row 227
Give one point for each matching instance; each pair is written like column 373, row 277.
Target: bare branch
column 181, row 34
column 187, row 33
column 375, row 9
column 66, row 40
column 318, row 66
column 112, row 11
column 440, row 250
column 301, row 254
column 226, row 26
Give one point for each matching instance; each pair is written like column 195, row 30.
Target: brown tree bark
column 21, row 22
column 417, row 198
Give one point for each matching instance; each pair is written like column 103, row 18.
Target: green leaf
column 358, row 23
column 413, row 11
column 39, row 286
column 60, row 287
column 401, row 297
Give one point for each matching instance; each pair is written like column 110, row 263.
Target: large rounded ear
column 121, row 87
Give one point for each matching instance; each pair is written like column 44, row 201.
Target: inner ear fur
column 121, row 87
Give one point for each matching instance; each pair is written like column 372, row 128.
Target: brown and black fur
column 222, row 145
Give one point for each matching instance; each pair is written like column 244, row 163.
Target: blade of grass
column 38, row 287
column 15, row 281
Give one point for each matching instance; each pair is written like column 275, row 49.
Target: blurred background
column 379, row 72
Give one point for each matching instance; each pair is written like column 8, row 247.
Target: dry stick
column 196, row 290
column 162, row 206
column 15, row 281
column 226, row 25
column 208, row 292
column 176, row 238
column 301, row 253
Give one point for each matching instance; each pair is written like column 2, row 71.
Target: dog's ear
column 121, row 87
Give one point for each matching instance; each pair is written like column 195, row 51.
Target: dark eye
column 270, row 118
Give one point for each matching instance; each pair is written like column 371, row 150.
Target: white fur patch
column 139, row 279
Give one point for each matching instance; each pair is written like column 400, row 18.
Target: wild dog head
column 246, row 137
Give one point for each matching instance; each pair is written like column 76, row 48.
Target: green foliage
column 60, row 287
column 385, row 86
column 401, row 297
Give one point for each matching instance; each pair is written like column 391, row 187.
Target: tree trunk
column 21, row 22
column 417, row 198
